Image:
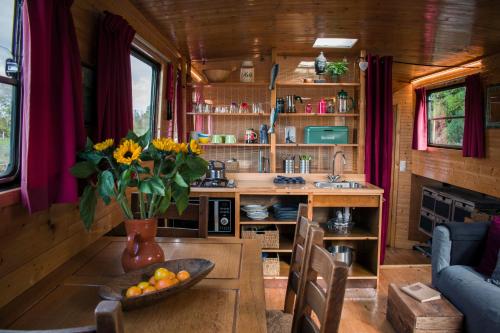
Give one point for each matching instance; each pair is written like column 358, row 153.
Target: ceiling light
column 306, row 64
column 341, row 43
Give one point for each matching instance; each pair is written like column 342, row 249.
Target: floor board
column 367, row 316
column 405, row 257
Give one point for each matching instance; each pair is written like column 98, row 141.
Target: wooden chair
column 325, row 303
column 281, row 321
column 108, row 317
column 194, row 212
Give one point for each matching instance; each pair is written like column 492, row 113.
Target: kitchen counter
column 263, row 184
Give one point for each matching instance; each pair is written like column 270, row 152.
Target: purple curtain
column 473, row 144
column 420, row 121
column 379, row 128
column 52, row 108
column 114, row 78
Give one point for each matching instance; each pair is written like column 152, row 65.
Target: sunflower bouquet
column 111, row 169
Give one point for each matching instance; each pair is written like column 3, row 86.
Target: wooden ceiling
column 434, row 32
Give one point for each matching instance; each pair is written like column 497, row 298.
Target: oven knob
column 224, row 221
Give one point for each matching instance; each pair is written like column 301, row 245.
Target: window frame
column 429, row 92
column 12, row 176
column 155, row 85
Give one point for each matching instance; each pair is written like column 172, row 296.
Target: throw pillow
column 495, row 276
column 489, row 260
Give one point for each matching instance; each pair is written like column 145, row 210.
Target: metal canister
column 289, row 166
column 305, row 166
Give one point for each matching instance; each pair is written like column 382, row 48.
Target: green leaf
column 88, row 202
column 165, row 201
column 144, row 139
column 93, row 156
column 197, row 165
column 180, row 181
column 153, row 185
column 181, row 197
column 124, row 180
column 132, row 136
column 143, row 170
column 89, row 145
column 83, row 169
column 106, row 186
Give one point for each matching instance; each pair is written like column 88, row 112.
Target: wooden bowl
column 217, row 75
column 115, row 289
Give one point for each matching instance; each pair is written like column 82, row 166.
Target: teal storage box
column 326, row 134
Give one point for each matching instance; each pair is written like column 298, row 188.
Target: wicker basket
column 271, row 265
column 268, row 235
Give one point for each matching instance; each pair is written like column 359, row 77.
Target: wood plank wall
column 443, row 165
column 32, row 246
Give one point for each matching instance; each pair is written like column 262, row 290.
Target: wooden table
column 230, row 299
column 406, row 314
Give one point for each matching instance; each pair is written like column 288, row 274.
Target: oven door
column 221, row 216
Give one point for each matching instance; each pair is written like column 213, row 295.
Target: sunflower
column 195, row 148
column 101, row 146
column 127, row 152
column 183, row 147
column 164, row 144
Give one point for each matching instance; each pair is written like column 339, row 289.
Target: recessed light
column 341, row 43
column 306, row 64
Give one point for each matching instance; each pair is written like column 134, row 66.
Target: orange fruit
column 152, row 281
column 165, row 283
column 133, row 291
column 161, row 273
column 175, row 281
column 143, row 285
column 170, row 275
column 148, row 290
column 183, row 276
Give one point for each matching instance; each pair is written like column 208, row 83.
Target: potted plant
column 157, row 170
column 336, row 69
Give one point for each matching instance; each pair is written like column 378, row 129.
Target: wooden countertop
column 230, row 299
column 263, row 184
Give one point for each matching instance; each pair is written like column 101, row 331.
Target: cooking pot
column 216, row 172
column 342, row 253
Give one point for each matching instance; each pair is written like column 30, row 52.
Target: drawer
column 345, row 201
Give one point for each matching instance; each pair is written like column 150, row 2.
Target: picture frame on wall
column 493, row 106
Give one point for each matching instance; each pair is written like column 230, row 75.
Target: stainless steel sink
column 336, row 185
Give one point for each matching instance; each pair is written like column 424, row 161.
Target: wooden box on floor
column 408, row 315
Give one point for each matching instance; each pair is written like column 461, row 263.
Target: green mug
column 229, row 138
column 217, row 138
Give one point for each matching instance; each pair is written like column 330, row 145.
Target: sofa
column 456, row 249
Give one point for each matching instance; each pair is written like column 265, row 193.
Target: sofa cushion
column 489, row 259
column 495, row 276
column 477, row 299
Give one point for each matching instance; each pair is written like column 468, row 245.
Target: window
column 445, row 113
column 9, row 57
column 144, row 92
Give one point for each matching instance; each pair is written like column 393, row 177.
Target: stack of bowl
column 256, row 212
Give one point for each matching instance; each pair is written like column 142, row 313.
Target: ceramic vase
column 142, row 249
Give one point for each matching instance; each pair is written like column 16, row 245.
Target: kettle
column 345, row 103
column 290, row 103
column 216, row 172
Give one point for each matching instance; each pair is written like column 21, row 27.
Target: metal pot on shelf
column 342, row 253
column 216, row 172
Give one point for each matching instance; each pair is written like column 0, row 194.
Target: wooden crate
column 408, row 315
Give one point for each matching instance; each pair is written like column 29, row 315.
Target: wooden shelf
column 245, row 145
column 356, row 234
column 227, row 114
column 228, row 84
column 269, row 220
column 358, row 272
column 316, row 145
column 306, row 115
column 328, row 84
column 285, row 246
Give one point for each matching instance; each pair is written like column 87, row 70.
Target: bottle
column 322, row 106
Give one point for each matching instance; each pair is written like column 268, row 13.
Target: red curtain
column 52, row 108
column 170, row 98
column 114, row 78
column 473, row 143
column 179, row 115
column 379, row 128
column 420, row 121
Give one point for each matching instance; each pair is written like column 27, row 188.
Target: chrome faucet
column 333, row 177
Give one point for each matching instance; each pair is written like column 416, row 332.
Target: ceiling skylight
column 341, row 43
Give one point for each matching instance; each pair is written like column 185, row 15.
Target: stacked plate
column 256, row 212
column 285, row 211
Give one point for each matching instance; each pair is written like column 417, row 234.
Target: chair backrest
column 325, row 303
column 301, row 230
column 193, row 212
column 108, row 317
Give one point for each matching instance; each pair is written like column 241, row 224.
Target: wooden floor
column 367, row 316
column 405, row 257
